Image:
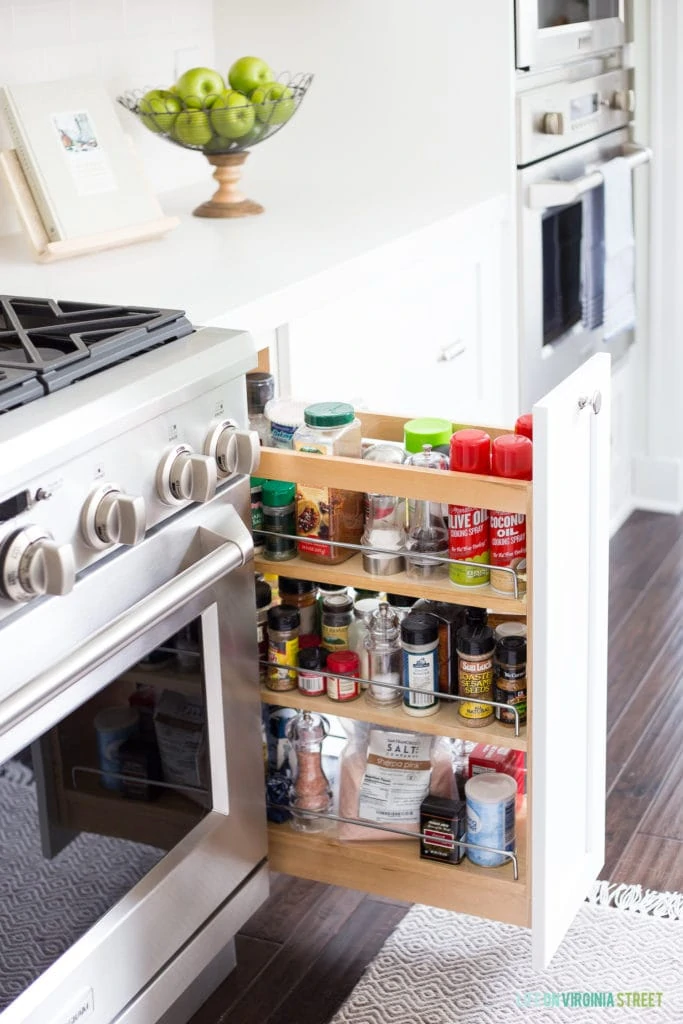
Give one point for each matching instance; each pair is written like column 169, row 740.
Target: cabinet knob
column 452, row 351
column 595, row 402
column 624, row 99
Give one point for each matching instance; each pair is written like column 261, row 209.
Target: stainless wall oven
column 132, row 820
column 567, row 130
column 552, row 32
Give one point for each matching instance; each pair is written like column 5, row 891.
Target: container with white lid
column 286, row 415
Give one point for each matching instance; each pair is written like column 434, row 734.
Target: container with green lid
column 328, row 513
column 426, row 430
column 277, row 497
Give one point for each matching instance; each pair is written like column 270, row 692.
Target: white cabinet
column 425, row 336
column 560, row 840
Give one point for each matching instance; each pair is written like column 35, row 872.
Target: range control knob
column 185, row 476
column 624, row 99
column 553, row 123
column 235, row 451
column 111, row 517
column 32, row 564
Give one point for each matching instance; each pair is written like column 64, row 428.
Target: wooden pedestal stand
column 228, row 201
column 46, row 251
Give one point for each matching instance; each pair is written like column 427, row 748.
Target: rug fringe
column 637, row 899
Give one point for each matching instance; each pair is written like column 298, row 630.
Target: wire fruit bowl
column 224, row 134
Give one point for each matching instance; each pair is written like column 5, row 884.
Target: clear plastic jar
column 328, row 513
column 302, row 595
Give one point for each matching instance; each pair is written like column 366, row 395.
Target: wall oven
column 132, row 820
column 551, row 32
column 566, row 131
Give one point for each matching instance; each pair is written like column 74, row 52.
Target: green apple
column 199, row 87
column 192, row 128
column 159, row 109
column 232, row 115
column 274, row 103
column 247, row 73
column 256, row 133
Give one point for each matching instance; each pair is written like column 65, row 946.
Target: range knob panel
column 33, row 564
column 184, row 475
column 110, row 517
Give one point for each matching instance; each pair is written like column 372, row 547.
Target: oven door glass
column 555, row 13
column 91, row 806
column 561, row 232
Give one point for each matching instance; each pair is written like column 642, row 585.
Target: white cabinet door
column 570, row 568
column 423, row 339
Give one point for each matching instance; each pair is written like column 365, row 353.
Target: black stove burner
column 47, row 345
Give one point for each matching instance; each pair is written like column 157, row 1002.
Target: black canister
column 509, row 673
column 264, row 597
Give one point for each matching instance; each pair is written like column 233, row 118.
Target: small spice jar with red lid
column 346, row 663
column 468, row 528
column 524, row 425
column 512, row 458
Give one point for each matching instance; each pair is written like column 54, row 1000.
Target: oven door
column 552, row 32
column 554, row 338
column 131, row 772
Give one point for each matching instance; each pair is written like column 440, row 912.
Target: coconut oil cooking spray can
column 468, row 528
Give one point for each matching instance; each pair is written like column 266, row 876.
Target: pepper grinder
column 427, row 533
column 312, row 792
column 383, row 644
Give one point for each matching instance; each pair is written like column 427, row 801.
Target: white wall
column 128, row 43
column 427, row 83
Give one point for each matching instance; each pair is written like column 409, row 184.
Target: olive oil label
column 468, row 540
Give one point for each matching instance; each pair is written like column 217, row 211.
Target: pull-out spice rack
column 393, row 868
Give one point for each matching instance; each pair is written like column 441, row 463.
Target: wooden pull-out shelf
column 446, row 722
column 394, row 869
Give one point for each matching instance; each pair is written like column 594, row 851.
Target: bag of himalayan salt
column 386, row 774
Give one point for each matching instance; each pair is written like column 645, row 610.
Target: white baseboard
column 618, row 518
column 658, row 484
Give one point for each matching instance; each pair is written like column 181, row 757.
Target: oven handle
column 543, row 195
column 120, row 632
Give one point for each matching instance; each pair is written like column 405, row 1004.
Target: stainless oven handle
column 543, row 195
column 120, row 632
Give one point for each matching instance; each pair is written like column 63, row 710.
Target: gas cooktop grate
column 46, row 345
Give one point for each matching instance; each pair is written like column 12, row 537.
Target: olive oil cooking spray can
column 511, row 457
column 468, row 528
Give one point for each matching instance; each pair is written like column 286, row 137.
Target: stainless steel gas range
column 132, row 821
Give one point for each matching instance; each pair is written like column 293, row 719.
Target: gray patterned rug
column 45, row 905
column 444, row 968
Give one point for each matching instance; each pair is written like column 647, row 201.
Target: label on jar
column 475, row 679
column 508, row 546
column 282, row 652
column 510, row 688
column 262, row 641
column 312, row 683
column 342, row 689
column 493, row 825
column 468, row 540
column 281, row 435
column 326, row 513
column 308, row 615
column 335, row 638
column 420, row 673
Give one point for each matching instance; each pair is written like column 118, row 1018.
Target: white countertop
column 316, row 239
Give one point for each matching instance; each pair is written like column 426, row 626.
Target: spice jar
column 420, row 645
column 490, row 801
column 468, row 527
column 256, row 486
column 384, row 517
column 449, row 618
column 300, row 594
column 312, row 680
column 278, row 517
column 283, row 647
column 260, row 390
column 383, row 644
column 328, row 513
column 285, row 416
column 358, row 630
column 401, row 604
column 263, row 601
column 476, row 646
column 325, row 590
column 510, row 678
column 345, row 663
column 336, row 619
column 312, row 792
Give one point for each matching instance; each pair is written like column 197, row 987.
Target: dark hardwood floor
column 301, row 955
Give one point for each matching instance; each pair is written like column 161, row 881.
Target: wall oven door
column 131, row 775
column 554, row 338
column 550, row 32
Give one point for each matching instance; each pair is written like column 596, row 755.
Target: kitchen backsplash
column 128, row 43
